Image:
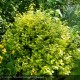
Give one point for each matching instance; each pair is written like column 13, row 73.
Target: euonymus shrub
column 38, row 44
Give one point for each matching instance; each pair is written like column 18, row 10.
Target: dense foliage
column 36, row 37
column 38, row 44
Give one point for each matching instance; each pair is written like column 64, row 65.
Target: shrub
column 38, row 44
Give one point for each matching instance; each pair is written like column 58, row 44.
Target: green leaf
column 11, row 67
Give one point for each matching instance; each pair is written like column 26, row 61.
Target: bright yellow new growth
column 1, row 46
column 4, row 51
column 33, row 72
column 13, row 52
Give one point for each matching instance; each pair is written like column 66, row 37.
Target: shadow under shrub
column 39, row 44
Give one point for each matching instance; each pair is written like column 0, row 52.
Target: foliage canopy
column 39, row 44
